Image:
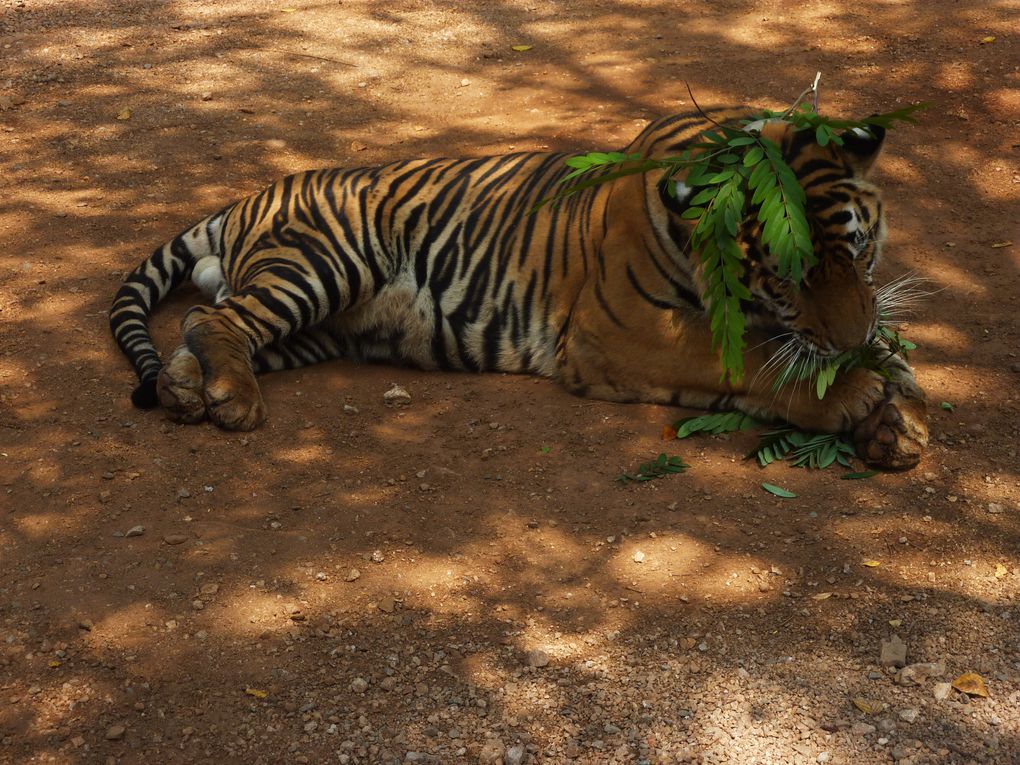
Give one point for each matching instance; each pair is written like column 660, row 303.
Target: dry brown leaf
column 972, row 684
column 895, row 622
column 288, row 10
column 256, row 692
column 1000, row 571
column 822, row 596
column 871, row 563
column 521, row 48
column 668, row 433
column 1000, row 245
column 987, row 40
column 868, row 706
column 124, row 114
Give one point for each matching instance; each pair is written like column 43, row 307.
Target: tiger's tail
column 148, row 284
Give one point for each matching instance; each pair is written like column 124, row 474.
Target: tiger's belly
column 402, row 324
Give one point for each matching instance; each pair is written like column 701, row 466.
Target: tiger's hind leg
column 221, row 342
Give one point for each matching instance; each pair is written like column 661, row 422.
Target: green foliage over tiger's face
column 442, row 264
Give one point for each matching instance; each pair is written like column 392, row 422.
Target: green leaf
column 779, row 491
column 947, row 406
column 856, row 476
column 754, row 156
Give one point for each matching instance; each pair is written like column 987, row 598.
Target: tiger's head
column 835, row 307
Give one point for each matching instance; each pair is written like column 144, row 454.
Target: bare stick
column 310, row 55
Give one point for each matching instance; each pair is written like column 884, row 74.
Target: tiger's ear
column 861, row 147
column 678, row 201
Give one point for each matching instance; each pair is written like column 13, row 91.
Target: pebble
column 348, row 409
column 197, row 604
column 862, row 729
column 492, row 752
column 908, row 715
column 823, row 757
column 352, row 575
column 377, row 556
column 941, row 691
column 396, row 396
column 210, row 589
column 175, row 539
column 115, row 732
column 894, row 652
column 538, row 658
column 514, row 755
column 359, row 685
column 639, row 557
column 995, row 508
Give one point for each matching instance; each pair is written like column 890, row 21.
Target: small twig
column 698, row 106
column 310, row 55
column 811, row 89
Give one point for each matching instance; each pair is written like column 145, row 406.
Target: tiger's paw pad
column 179, row 387
column 894, row 435
column 235, row 402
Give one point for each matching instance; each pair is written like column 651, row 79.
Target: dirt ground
column 462, row 580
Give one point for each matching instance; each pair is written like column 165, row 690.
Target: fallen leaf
column 862, row 474
column 1000, row 245
column 1000, row 571
column 521, row 48
column 668, row 433
column 947, row 406
column 868, row 706
column 871, row 563
column 972, row 684
column 288, row 10
column 987, row 40
column 257, row 693
column 54, row 664
column 778, row 491
column 822, row 596
column 895, row 622
column 124, row 114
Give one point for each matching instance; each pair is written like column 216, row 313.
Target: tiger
column 453, row 264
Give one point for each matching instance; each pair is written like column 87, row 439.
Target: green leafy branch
column 733, row 171
column 658, row 468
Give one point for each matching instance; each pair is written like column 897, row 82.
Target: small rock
column 210, row 589
column 197, row 604
column 352, row 575
column 941, row 691
column 918, row 674
column 514, row 755
column 115, row 732
column 348, row 409
column 900, row 752
column 639, row 557
column 359, row 685
column 207, row 96
column 183, row 494
column 908, row 715
column 995, row 507
column 396, row 396
column 386, row 605
column 135, row 531
column 492, row 752
column 175, row 539
column 610, row 729
column 894, row 652
column 823, row 757
column 862, row 729
column 377, row 556
column 538, row 658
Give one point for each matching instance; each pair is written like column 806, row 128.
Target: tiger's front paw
column 894, row 435
column 179, row 387
column 234, row 401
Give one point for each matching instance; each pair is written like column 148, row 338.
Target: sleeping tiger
column 443, row 264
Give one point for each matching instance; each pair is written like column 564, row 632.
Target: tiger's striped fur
column 443, row 264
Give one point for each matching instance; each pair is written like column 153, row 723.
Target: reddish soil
column 483, row 519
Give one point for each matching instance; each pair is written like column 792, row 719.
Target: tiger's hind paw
column 179, row 387
column 895, row 434
column 234, row 402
